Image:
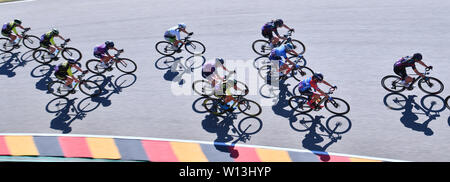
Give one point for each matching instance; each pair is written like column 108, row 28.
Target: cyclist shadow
column 110, row 87
column 315, row 139
column 228, row 135
column 282, row 107
column 176, row 68
column 66, row 111
column 43, row 71
column 430, row 106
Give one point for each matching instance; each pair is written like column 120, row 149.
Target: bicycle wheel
column 298, row 61
column 31, row 42
column 165, row 48
column 90, row 88
column 213, row 106
column 269, row 91
column 433, row 103
column 395, row 101
column 261, row 47
column 71, row 53
column 249, row 107
column 301, row 73
column 126, row 65
column 240, row 85
column 203, row 88
column 431, row 86
column 250, row 125
column 299, row 104
column 42, row 56
column 194, row 62
column 57, row 88
column 195, row 47
column 302, row 122
column 392, row 84
column 261, row 61
column 5, row 45
column 268, row 70
column 338, row 124
column 299, row 47
column 94, row 66
column 337, row 106
column 447, row 102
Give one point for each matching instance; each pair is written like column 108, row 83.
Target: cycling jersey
column 62, row 70
column 268, row 28
column 100, row 51
column 8, row 28
column 47, row 39
column 278, row 52
column 307, row 84
column 405, row 62
column 173, row 32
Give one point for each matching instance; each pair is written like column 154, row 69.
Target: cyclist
column 10, row 27
column 223, row 91
column 101, row 52
column 173, row 36
column 209, row 71
column 63, row 71
column 273, row 26
column 407, row 61
column 47, row 41
column 305, row 89
column 276, row 55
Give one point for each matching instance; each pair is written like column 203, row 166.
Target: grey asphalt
column 353, row 42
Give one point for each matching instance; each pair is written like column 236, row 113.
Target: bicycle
column 166, row 48
column 205, row 88
column 44, row 56
column 88, row 87
column 262, row 47
column 392, row 83
column 125, row 65
column 29, row 41
column 216, row 106
column 300, row 104
column 298, row 71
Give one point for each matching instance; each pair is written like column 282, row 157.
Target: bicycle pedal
column 72, row 91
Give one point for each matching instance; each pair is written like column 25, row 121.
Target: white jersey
column 174, row 31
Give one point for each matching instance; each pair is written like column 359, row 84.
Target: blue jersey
column 307, row 84
column 278, row 52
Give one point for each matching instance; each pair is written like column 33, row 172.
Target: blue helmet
column 289, row 46
column 182, row 25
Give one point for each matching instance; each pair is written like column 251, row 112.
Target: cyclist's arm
column 78, row 68
column 417, row 72
column 285, row 26
column 15, row 31
column 293, row 52
column 326, row 83
column 422, row 63
column 289, row 61
column 184, row 30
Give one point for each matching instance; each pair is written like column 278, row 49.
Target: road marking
column 206, row 142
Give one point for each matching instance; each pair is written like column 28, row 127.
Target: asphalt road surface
column 354, row 43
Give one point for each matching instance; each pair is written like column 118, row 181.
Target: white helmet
column 181, row 25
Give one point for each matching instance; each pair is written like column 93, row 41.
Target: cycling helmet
column 55, row 31
column 318, row 76
column 17, row 22
column 417, row 57
column 220, row 60
column 181, row 25
column 109, row 44
column 278, row 22
column 72, row 61
column 289, row 46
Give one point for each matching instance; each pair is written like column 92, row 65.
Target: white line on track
column 201, row 142
column 15, row 2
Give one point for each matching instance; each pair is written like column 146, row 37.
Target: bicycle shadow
column 430, row 106
column 10, row 61
column 43, row 71
column 282, row 107
column 177, row 67
column 318, row 133
column 69, row 110
column 228, row 135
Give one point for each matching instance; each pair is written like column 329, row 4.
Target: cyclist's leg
column 405, row 79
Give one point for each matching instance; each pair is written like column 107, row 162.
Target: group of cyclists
column 209, row 69
column 63, row 70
